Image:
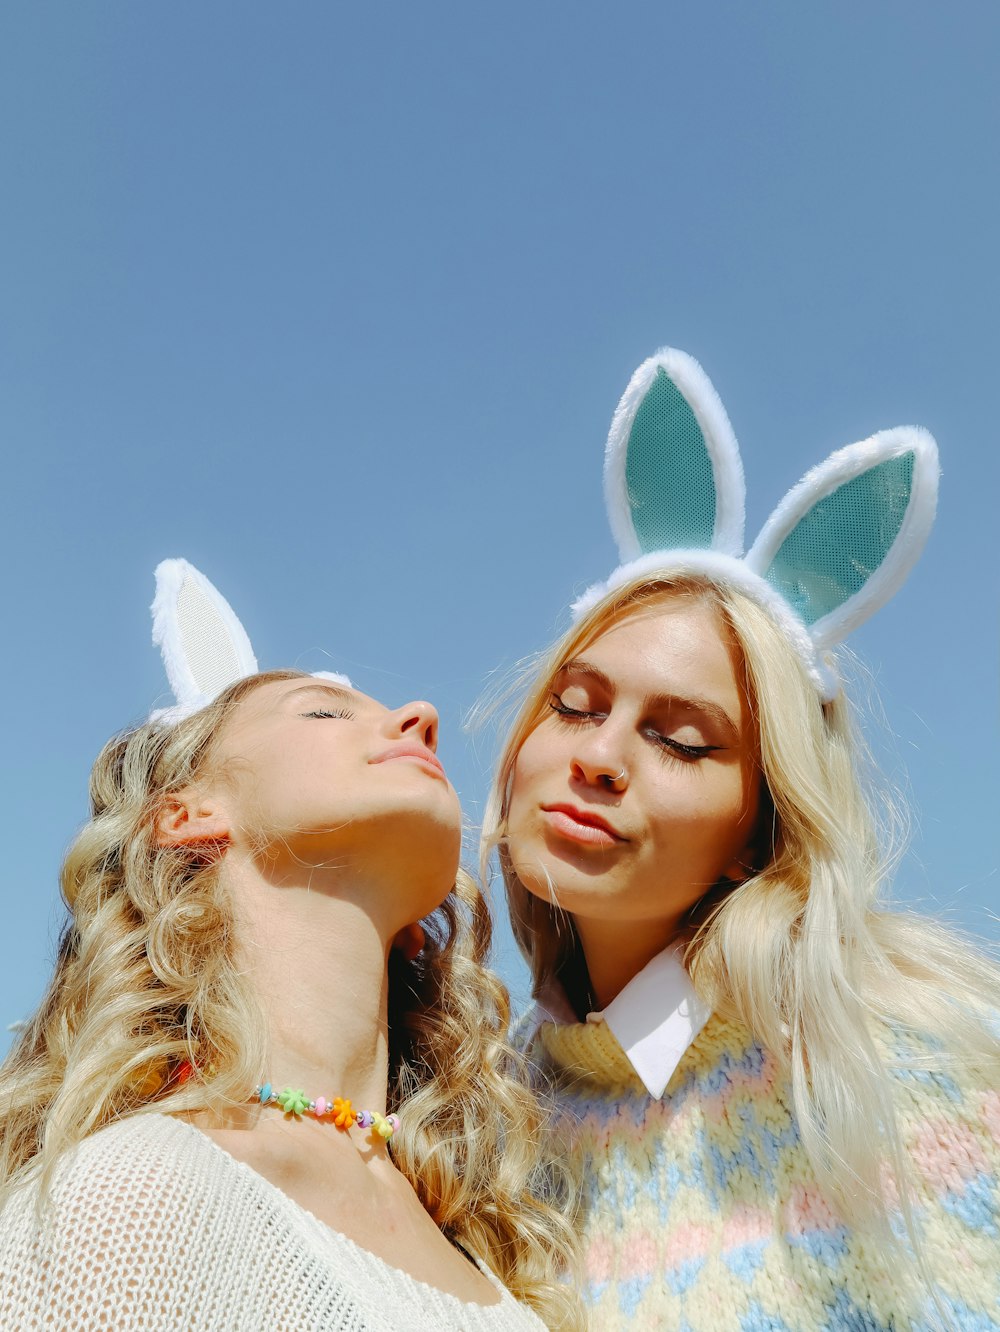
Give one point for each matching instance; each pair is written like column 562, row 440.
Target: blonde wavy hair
column 147, row 981
column 804, row 953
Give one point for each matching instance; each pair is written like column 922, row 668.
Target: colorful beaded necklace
column 296, row 1103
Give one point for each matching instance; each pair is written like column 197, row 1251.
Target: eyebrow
column 329, row 690
column 683, row 702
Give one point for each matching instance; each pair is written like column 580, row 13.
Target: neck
column 617, row 951
column 317, row 959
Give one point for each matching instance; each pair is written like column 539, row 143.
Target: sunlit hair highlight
column 148, row 984
column 806, row 953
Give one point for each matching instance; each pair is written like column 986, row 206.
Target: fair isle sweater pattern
column 702, row 1212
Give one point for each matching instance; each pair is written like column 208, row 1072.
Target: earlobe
column 744, row 865
column 185, row 820
column 410, row 941
column 738, row 872
column 750, row 862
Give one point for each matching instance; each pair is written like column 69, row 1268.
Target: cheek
column 715, row 816
column 519, row 783
column 290, row 787
column 534, row 762
column 530, row 781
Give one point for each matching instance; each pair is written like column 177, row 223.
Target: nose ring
column 612, row 780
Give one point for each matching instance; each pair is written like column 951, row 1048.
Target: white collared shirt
column 654, row 1019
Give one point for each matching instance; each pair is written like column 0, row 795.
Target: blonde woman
column 268, row 1084
column 782, row 1098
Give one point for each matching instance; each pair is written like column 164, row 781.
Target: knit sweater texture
column 702, row 1212
column 152, row 1226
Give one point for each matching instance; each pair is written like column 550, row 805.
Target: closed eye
column 572, row 714
column 677, row 748
column 329, row 712
column 666, row 744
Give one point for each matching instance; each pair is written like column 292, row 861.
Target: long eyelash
column 569, row 714
column 324, row 712
column 677, row 749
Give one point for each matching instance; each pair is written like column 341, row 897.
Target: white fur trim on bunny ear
column 848, row 553
column 710, row 439
column 334, row 677
column 205, row 648
column 836, row 548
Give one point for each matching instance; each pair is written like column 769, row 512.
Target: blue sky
column 337, row 302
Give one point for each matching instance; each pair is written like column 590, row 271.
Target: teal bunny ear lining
column 673, row 477
column 667, row 456
column 835, row 549
column 842, row 541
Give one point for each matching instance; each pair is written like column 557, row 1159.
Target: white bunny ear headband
column 205, row 648
column 836, row 548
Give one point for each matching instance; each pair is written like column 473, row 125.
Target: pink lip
column 581, row 825
column 412, row 751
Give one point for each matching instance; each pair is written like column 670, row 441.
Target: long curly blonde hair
column 147, row 985
column 805, row 953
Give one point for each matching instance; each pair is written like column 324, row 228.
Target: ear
column 205, row 648
column 410, row 940
column 189, row 818
column 673, row 479
column 747, row 861
column 845, row 538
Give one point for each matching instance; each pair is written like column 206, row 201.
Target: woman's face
column 638, row 789
column 322, row 776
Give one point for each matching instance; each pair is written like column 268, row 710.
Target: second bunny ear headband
column 835, row 549
column 205, row 648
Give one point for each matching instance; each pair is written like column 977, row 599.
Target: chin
column 577, row 890
column 426, row 849
column 432, row 796
column 426, row 823
column 434, row 886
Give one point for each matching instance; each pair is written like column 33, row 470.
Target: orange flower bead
column 343, row 1113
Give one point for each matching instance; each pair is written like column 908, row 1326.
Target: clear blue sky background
column 337, row 301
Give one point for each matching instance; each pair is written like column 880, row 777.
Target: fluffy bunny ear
column 204, row 646
column 334, row 676
column 672, row 472
column 844, row 539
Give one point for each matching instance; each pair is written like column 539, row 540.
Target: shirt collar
column 655, row 1018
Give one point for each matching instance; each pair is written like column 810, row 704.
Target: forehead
column 676, row 646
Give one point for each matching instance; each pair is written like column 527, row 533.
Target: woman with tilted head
column 268, row 1085
column 780, row 1096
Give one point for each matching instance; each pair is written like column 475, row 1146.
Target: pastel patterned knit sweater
column 154, row 1228
column 703, row 1213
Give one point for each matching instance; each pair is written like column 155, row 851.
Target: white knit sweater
column 154, row 1228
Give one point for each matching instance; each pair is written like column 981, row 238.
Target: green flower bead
column 293, row 1102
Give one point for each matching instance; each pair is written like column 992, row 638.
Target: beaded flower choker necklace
column 296, row 1103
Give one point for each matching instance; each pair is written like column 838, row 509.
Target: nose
column 599, row 763
column 418, row 721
